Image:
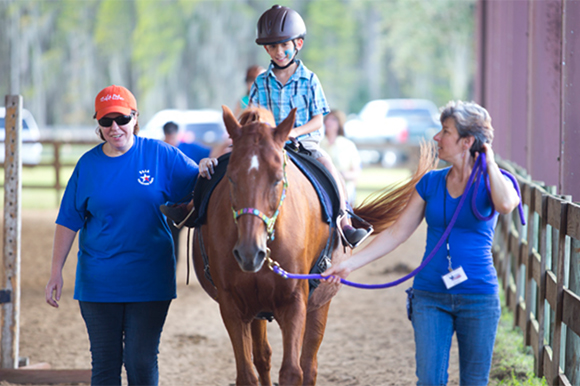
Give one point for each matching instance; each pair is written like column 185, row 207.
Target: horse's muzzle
column 250, row 256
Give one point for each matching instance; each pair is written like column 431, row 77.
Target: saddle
column 314, row 171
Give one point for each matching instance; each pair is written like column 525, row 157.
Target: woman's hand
column 335, row 273
column 489, row 154
column 206, row 167
column 53, row 290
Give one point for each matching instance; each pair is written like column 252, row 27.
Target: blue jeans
column 436, row 316
column 126, row 333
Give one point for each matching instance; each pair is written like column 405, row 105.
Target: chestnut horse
column 260, row 176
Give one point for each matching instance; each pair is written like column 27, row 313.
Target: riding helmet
column 279, row 24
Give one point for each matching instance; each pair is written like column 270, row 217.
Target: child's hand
column 293, row 133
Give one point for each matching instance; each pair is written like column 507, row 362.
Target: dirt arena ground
column 368, row 339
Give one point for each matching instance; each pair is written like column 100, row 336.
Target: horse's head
column 257, row 177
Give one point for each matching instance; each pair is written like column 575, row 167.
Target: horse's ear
column 232, row 125
column 283, row 129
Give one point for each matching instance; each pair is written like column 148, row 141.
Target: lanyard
column 445, row 225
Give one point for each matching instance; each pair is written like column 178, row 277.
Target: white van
column 31, row 148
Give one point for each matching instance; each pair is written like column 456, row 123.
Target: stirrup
column 345, row 241
column 184, row 222
column 165, row 209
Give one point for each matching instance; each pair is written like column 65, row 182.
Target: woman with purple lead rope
column 457, row 292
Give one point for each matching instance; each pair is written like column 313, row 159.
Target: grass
column 513, row 364
column 376, row 178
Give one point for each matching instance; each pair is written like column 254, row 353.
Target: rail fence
column 56, row 164
column 539, row 268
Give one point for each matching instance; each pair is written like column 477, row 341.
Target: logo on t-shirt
column 145, row 178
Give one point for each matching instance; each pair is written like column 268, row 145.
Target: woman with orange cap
column 125, row 278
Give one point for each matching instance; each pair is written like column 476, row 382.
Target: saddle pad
column 313, row 170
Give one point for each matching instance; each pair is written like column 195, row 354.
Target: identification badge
column 454, row 277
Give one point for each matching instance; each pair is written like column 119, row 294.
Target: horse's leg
column 315, row 326
column 262, row 351
column 240, row 336
column 292, row 320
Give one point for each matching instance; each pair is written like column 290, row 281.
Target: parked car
column 383, row 124
column 202, row 126
column 395, row 121
column 31, row 147
column 374, row 125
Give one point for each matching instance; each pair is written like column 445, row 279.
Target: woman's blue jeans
column 126, row 333
column 474, row 318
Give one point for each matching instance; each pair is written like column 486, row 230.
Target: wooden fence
column 56, row 164
column 539, row 268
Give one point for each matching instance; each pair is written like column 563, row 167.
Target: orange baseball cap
column 114, row 99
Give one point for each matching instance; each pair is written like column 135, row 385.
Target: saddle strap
column 204, row 256
column 324, row 259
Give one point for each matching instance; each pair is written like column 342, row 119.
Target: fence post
column 559, row 265
column 541, row 199
column 12, row 229
column 57, row 166
column 572, row 363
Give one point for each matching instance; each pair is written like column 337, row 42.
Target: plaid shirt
column 303, row 91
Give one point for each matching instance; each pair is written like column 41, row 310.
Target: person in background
column 251, row 74
column 457, row 292
column 125, row 277
column 342, row 151
column 193, row 150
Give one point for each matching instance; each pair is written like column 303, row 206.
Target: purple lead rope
column 480, row 163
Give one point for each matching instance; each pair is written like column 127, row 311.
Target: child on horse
column 285, row 85
column 288, row 84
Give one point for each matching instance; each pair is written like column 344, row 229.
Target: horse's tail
column 383, row 207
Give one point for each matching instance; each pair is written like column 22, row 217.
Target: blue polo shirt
column 125, row 245
column 303, row 91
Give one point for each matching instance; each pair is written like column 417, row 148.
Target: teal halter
column 269, row 221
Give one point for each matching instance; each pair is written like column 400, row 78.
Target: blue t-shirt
column 302, row 91
column 470, row 240
column 194, row 150
column 125, row 246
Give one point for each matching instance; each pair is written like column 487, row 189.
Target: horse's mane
column 256, row 114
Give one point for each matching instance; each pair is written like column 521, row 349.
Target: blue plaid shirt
column 303, row 91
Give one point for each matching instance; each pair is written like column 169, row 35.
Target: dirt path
column 368, row 339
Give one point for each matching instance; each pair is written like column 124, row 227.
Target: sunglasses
column 121, row 120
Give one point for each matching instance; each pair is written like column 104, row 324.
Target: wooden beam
column 574, row 220
column 45, row 377
column 10, row 281
column 571, row 310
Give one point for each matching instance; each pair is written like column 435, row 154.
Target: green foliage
column 194, row 53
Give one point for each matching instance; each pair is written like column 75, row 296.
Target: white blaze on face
column 254, row 164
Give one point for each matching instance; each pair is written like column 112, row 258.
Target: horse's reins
column 269, row 221
column 479, row 170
